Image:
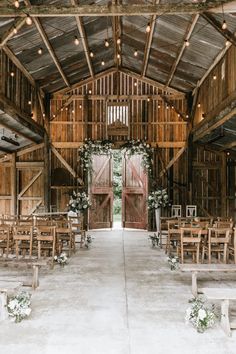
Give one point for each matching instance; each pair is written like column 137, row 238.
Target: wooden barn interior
column 155, row 72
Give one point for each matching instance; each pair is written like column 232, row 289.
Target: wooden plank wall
column 81, row 114
column 16, row 88
column 214, row 181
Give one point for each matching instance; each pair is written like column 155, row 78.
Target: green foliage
column 117, row 181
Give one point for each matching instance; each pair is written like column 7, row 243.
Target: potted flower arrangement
column 79, row 202
column 61, row 259
column 173, row 262
column 156, row 200
column 18, row 306
column 200, row 315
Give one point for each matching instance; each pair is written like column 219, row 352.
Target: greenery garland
column 139, row 147
column 93, row 147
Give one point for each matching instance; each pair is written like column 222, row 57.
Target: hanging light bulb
column 40, row 51
column 29, row 102
column 214, row 77
column 136, row 53
column 76, row 40
column 148, row 99
column 224, row 25
column 17, row 4
column 28, row 20
column 227, row 42
column 135, row 84
column 118, row 40
column 14, row 30
column 148, row 28
column 118, row 56
column 199, row 105
column 187, row 43
column 80, row 106
column 12, row 73
column 91, row 54
column 103, row 62
column 106, row 43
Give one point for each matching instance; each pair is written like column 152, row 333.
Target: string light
column 118, row 40
column 29, row 102
column 135, row 84
column 40, row 51
column 148, row 99
column 118, row 56
column 76, row 40
column 227, row 42
column 187, row 43
column 17, row 4
column 72, row 111
column 148, row 28
column 90, row 91
column 103, row 62
column 28, row 20
column 224, row 25
column 199, row 105
column 43, row 115
column 12, row 74
column 214, row 77
column 187, row 116
column 80, row 106
column 14, row 30
column 159, row 106
column 136, row 53
column 106, row 43
column 91, row 54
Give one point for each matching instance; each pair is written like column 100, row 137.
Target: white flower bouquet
column 173, row 262
column 18, row 306
column 199, row 315
column 158, row 199
column 79, row 202
column 88, row 240
column 155, row 239
column 93, row 147
column 139, row 147
column 62, row 259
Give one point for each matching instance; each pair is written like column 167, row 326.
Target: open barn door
column 134, row 193
column 101, row 193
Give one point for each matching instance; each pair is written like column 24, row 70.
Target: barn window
column 117, row 113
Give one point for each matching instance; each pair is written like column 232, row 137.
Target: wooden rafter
column 48, row 45
column 116, row 28
column 149, row 41
column 11, row 31
column 118, row 10
column 182, row 49
column 84, row 39
column 218, row 26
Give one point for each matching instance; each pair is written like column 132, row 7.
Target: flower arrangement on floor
column 158, row 199
column 79, row 202
column 88, row 241
column 62, row 259
column 200, row 315
column 139, row 147
column 173, row 262
column 93, row 147
column 155, row 239
column 18, row 306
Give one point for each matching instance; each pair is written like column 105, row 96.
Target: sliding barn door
column 101, row 192
column 134, row 193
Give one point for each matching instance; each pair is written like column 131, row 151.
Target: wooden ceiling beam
column 48, row 45
column 83, row 37
column 116, row 28
column 11, row 31
column 148, row 44
column 218, row 26
column 178, row 58
column 118, row 10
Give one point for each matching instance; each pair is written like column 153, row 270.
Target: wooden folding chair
column 218, row 242
column 190, row 241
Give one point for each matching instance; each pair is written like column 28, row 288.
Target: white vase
column 158, row 219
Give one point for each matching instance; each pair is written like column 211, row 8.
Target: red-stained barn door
column 134, row 193
column 101, row 193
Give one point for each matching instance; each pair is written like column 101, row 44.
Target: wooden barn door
column 134, row 193
column 101, row 192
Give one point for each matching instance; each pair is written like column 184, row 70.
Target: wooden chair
column 173, row 236
column 218, row 242
column 65, row 237
column 190, row 241
column 6, row 241
column 46, row 238
column 77, row 224
column 176, row 211
column 224, row 224
column 23, row 239
column 191, row 211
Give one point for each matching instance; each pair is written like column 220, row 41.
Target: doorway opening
column 117, row 189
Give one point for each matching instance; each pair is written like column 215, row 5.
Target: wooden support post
column 3, row 305
column 194, row 284
column 35, row 281
column 223, row 185
column 190, row 169
column 13, row 185
column 47, row 156
column 225, row 317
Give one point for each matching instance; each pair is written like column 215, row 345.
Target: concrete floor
column 118, row 297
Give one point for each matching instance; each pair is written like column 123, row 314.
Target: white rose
column 202, row 314
column 27, row 311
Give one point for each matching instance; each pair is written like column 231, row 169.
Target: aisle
column 118, row 297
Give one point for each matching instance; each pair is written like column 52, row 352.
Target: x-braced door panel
column 101, row 193
column 134, row 193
